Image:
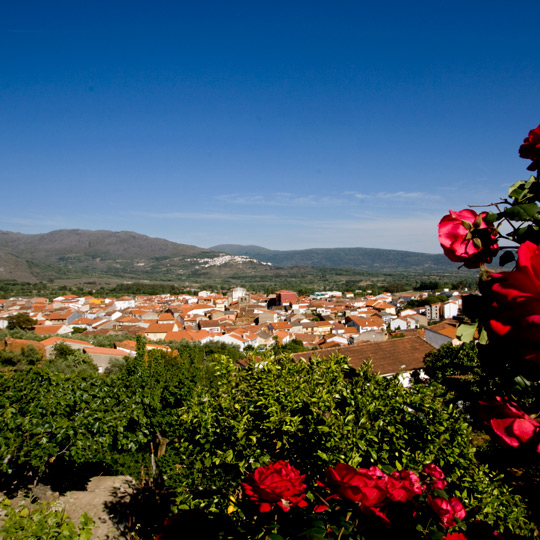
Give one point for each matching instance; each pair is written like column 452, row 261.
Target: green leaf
column 521, row 382
column 516, row 190
column 483, row 337
column 522, row 212
column 491, row 218
column 465, row 331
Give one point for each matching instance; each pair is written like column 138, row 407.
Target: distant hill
column 92, row 244
column 369, row 259
column 14, row 268
column 67, row 255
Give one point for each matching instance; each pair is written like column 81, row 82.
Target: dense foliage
column 53, row 423
column 459, row 370
column 199, row 425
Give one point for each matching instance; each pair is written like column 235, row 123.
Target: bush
column 317, row 415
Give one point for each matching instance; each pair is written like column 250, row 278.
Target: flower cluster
column 374, row 490
column 371, row 490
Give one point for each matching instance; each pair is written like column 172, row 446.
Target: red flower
column 455, row 536
column 276, row 483
column 403, row 486
column 447, row 510
column 366, row 487
column 363, row 486
column 530, row 149
column 509, row 422
column 514, row 304
column 465, row 237
column 436, row 474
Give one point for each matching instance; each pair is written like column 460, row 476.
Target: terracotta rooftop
column 103, row 350
column 387, row 357
column 446, row 328
column 57, row 339
column 45, row 330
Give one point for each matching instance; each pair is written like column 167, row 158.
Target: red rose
column 403, row 486
column 509, row 422
column 436, row 474
column 530, row 149
column 447, row 510
column 465, row 237
column 363, row 486
column 455, row 536
column 513, row 299
column 276, row 483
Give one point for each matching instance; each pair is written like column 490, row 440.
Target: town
column 361, row 327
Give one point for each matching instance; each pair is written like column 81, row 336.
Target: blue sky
column 284, row 124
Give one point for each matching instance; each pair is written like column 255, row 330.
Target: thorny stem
column 343, row 528
column 484, row 205
column 496, row 205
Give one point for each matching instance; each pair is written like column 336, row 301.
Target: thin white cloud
column 283, row 199
column 36, row 223
column 203, row 216
column 347, row 198
column 406, row 195
column 199, row 219
column 357, row 195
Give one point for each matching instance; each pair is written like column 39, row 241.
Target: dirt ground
column 101, row 492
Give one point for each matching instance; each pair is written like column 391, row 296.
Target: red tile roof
column 387, row 357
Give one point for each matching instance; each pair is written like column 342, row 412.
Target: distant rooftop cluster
column 326, row 320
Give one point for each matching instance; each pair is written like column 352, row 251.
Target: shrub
column 39, row 521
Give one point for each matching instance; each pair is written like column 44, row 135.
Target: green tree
column 458, row 369
column 26, row 357
column 71, row 361
column 22, row 321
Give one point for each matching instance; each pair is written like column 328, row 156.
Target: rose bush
column 504, row 321
column 511, row 425
column 466, row 237
column 276, row 483
column 530, row 149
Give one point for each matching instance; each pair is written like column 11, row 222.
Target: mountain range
column 369, row 259
column 75, row 253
